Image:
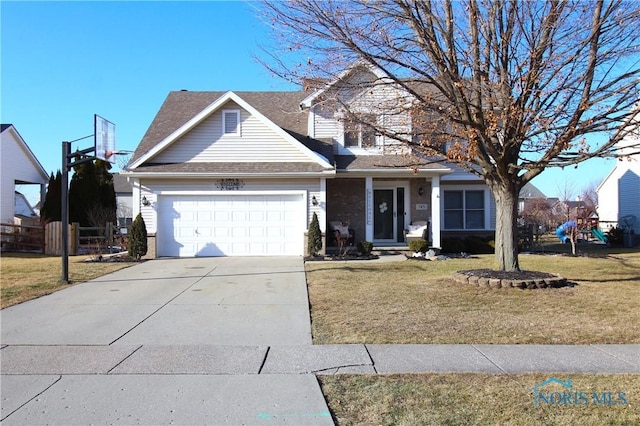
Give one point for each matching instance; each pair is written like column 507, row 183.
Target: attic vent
column 231, row 122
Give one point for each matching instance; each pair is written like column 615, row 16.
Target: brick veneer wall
column 346, row 202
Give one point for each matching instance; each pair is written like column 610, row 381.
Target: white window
column 231, row 122
column 464, row 209
column 360, row 134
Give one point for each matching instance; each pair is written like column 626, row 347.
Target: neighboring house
column 241, row 173
column 619, row 192
column 18, row 166
column 124, row 200
column 22, row 207
column 529, row 194
column 564, row 210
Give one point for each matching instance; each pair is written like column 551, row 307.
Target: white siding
column 387, row 102
column 206, row 143
column 325, row 124
column 629, row 196
column 16, row 164
column 608, row 202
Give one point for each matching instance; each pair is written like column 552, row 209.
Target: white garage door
column 230, row 225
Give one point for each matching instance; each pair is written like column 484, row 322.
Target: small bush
column 137, row 243
column 615, row 236
column 314, row 237
column 419, row 246
column 365, row 247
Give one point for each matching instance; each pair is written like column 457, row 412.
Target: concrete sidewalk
column 216, row 341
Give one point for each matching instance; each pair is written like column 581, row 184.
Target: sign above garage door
column 231, row 224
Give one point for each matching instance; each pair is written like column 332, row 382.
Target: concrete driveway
column 200, row 301
column 169, row 341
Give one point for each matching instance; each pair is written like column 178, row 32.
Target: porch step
column 389, row 250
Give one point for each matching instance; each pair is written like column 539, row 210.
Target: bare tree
column 589, row 195
column 503, row 88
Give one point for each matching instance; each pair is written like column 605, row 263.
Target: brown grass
column 414, row 302
column 475, row 399
column 26, row 276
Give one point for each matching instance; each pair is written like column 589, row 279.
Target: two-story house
column 619, row 192
column 241, row 173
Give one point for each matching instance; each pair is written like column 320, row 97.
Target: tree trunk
column 506, row 226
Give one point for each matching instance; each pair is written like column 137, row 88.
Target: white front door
column 230, row 225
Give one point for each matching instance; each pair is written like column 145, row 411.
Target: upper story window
column 464, row 209
column 359, row 134
column 231, row 122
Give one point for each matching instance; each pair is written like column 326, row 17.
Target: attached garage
column 231, row 224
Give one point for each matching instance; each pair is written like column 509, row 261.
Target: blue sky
column 62, row 62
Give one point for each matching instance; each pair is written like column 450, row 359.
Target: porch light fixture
column 314, row 201
column 145, row 202
column 420, row 191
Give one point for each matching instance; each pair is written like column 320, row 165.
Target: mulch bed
column 336, row 257
column 120, row 257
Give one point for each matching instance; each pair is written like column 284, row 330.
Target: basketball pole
column 67, row 165
column 66, row 150
column 101, row 152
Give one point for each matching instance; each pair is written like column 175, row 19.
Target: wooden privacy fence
column 53, row 238
column 22, row 237
column 82, row 239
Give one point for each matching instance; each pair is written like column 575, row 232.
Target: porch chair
column 343, row 236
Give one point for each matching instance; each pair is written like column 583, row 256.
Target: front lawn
column 415, row 302
column 25, row 276
column 481, row 399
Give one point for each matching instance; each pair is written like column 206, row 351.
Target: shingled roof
column 385, row 162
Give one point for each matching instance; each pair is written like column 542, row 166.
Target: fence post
column 74, row 238
column 109, row 239
column 52, row 238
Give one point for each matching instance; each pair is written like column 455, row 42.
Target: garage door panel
column 230, row 225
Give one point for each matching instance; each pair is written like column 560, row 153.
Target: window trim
column 359, row 129
column 236, row 112
column 485, row 209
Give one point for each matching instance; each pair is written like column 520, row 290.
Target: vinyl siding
column 206, row 143
column 629, row 196
column 16, row 164
column 385, row 101
column 608, row 201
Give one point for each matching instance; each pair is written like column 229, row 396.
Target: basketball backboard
column 105, row 139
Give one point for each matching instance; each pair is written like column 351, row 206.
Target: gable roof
column 529, row 190
column 358, row 65
column 22, row 206
column 121, row 185
column 25, row 148
column 184, row 110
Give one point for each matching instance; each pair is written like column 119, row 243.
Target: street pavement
column 216, row 341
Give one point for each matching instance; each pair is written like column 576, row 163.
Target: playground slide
column 599, row 235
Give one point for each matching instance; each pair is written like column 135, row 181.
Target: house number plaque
column 229, row 184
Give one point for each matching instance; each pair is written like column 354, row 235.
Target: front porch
column 380, row 210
